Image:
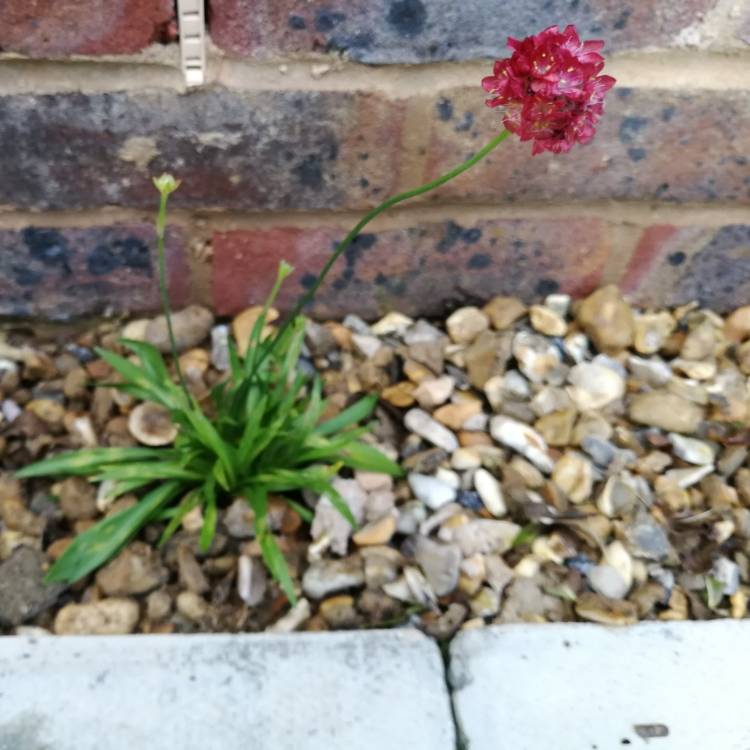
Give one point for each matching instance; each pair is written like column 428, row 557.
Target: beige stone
column 150, row 424
column 701, row 341
column 547, row 321
column 651, row 331
column 665, row 410
column 190, row 326
column 434, row 391
column 244, row 322
column 574, row 475
column 504, row 311
column 557, row 428
column 466, row 323
column 597, row 608
column 339, row 611
column 136, row 570
column 105, row 617
column 607, row 319
column 737, row 325
column 487, row 356
column 399, row 394
column 376, row 532
column 457, row 414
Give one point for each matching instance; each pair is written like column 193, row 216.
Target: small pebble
column 491, row 492
column 440, row 563
column 433, row 392
column 192, row 606
column 376, row 532
column 330, row 576
column 422, row 424
column 522, row 438
column 466, row 324
column 547, row 321
column 293, row 620
column 105, row 617
column 433, row 492
column 692, row 450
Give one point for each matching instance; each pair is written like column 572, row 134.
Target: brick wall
column 318, row 109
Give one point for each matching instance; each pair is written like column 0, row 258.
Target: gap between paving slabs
column 568, row 686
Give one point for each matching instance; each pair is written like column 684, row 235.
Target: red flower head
column 550, row 89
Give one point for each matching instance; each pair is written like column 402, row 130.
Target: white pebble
column 692, row 450
column 392, row 322
column 422, row 424
column 448, row 476
column 220, row 347
column 522, row 438
column 466, row 324
column 594, row 386
column 605, row 580
column 367, row 346
column 293, row 619
column 433, row 492
column 728, row 574
column 688, row 477
column 491, row 492
column 576, row 346
column 11, row 410
column 559, row 303
column 527, row 567
column 433, row 392
column 618, row 557
column 466, row 458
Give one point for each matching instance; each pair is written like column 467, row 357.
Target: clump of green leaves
column 260, row 434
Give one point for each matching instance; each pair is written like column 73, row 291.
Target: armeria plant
column 262, row 432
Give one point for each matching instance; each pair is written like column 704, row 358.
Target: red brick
column 422, row 269
column 394, row 31
column 59, row 274
column 53, row 28
column 338, row 150
column 674, row 265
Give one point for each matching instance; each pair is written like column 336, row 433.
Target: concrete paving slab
column 339, row 691
column 665, row 686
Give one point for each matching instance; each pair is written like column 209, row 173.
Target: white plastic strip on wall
column 192, row 41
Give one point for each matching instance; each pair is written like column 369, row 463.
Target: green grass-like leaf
column 260, row 433
column 339, row 503
column 714, row 592
column 365, row 457
column 189, row 502
column 304, row 513
column 154, row 471
column 98, row 544
column 210, row 515
column 272, row 556
column 140, row 378
column 151, row 359
column 348, row 417
column 85, row 462
column 526, row 535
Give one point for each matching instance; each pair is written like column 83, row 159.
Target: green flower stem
column 161, row 225
column 386, row 204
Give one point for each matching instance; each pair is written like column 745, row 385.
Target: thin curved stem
column 161, row 223
column 370, row 215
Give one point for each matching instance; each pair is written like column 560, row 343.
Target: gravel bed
column 567, row 461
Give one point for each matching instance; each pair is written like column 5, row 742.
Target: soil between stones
column 568, row 461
